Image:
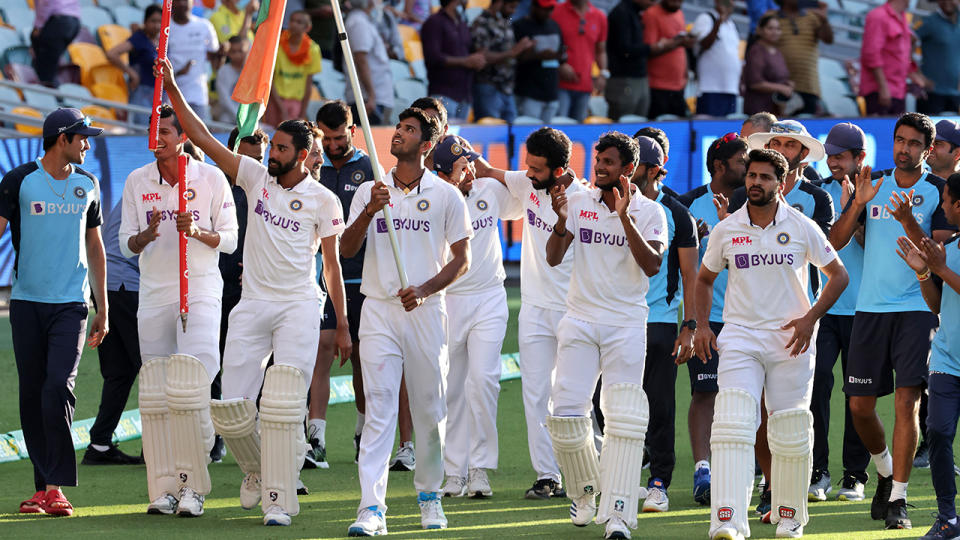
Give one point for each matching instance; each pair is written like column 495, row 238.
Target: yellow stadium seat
column 112, row 34
column 491, row 121
column 106, row 74
column 692, row 103
column 25, row 128
column 408, row 33
column 109, row 92
column 99, row 112
column 87, row 56
column 478, row 3
column 315, row 93
column 413, row 50
column 862, row 105
column 597, row 120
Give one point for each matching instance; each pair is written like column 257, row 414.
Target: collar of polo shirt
column 426, row 181
column 743, row 216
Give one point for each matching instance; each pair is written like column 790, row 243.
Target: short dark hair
column 552, row 144
column 334, row 114
column 166, row 111
column 919, row 122
column 953, row 186
column 257, row 137
column 763, row 120
column 432, row 103
column 765, row 19
column 301, row 131
column 429, row 126
column 150, row 10
column 193, row 151
column 656, row 134
column 51, row 141
column 627, row 147
column 237, row 39
column 765, row 155
column 724, row 150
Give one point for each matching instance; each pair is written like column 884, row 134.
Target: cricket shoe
column 478, row 484
column 942, row 530
column 431, row 511
column 878, row 507
column 250, row 491
column 727, row 532
column 274, row 515
column 764, row 507
column 164, row 505
column 921, row 460
column 896, row 517
column 583, row 509
column 657, row 500
column 701, row 486
column 851, row 489
column 370, row 522
column 191, row 503
column 789, row 528
column 218, row 451
column 405, row 460
column 111, row 456
column 616, row 528
column 544, row 488
column 819, row 486
column 456, row 486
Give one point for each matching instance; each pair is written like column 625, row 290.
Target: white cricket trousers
column 161, row 333
column 478, row 323
column 537, row 337
column 393, row 341
column 753, row 360
column 588, row 349
column 290, row 330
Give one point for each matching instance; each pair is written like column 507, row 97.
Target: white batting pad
column 626, row 413
column 790, row 433
column 575, row 452
column 236, row 421
column 155, row 423
column 732, row 437
column 283, row 406
column 188, row 397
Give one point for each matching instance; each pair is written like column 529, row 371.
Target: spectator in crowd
column 885, row 59
column 718, row 45
column 628, row 91
column 801, row 32
column 141, row 48
column 410, row 12
column 760, row 122
column 372, row 63
column 227, row 76
column 324, row 28
column 939, row 34
column 55, row 24
column 537, row 68
column 193, row 49
column 450, row 65
column 229, row 20
column 765, row 72
column 756, row 9
column 387, row 26
column 584, row 29
column 492, row 33
column 298, row 58
column 665, row 28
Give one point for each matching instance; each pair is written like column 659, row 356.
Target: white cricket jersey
column 209, row 199
column 488, row 202
column 284, row 229
column 427, row 221
column 541, row 285
column 607, row 286
column 767, row 268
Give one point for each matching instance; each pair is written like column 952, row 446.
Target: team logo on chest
column 79, row 192
column 296, row 205
column 190, row 194
column 357, row 177
column 423, row 205
column 482, row 205
column 917, row 200
column 783, row 238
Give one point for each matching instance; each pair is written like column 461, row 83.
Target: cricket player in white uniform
column 404, row 329
column 768, row 343
column 543, row 291
column 477, row 310
column 289, row 217
column 617, row 239
column 178, row 365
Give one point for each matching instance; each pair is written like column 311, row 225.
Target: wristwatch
column 691, row 324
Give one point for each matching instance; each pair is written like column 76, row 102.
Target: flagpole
column 367, row 134
column 158, row 82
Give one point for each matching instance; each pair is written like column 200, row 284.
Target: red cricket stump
column 184, row 272
column 158, row 83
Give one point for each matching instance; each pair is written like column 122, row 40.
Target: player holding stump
column 618, row 240
column 178, row 366
column 406, row 328
column 289, row 217
column 767, row 343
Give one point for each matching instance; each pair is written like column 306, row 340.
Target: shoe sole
column 275, row 523
column 899, row 525
column 816, row 497
column 357, row 531
column 535, row 496
column 653, row 510
column 849, row 498
column 189, row 514
column 401, row 467
column 617, row 534
column 434, row 527
column 480, row 494
column 158, row 512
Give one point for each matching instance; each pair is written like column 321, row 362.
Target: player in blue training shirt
column 892, row 327
column 942, row 295
column 53, row 209
column 727, row 164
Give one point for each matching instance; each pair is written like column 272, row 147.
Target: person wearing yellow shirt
column 229, row 20
column 298, row 58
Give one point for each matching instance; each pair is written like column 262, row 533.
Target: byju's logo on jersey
column 538, row 223
column 588, row 215
column 745, row 260
column 38, row 208
column 274, row 219
column 589, row 236
column 404, row 225
column 42, row 208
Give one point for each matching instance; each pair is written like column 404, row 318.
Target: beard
column 764, row 199
column 346, row 150
column 275, row 168
column 542, row 184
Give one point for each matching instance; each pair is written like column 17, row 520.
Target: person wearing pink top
column 885, row 59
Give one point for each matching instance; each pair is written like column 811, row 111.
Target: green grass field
column 111, row 501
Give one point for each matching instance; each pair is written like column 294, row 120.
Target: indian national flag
column 253, row 88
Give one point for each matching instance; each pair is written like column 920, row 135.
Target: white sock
column 100, row 447
column 884, row 462
column 953, row 520
column 702, row 464
column 318, row 429
column 360, row 420
column 899, row 491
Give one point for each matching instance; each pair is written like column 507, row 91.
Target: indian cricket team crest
column 79, row 192
column 296, row 205
column 456, row 149
column 190, row 194
column 482, row 205
column 357, row 177
column 917, row 200
column 423, row 205
column 783, row 238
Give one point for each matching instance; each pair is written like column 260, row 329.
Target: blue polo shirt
column 665, row 288
column 945, row 349
column 938, row 42
column 343, row 182
column 48, row 226
column 851, row 256
column 121, row 271
column 700, row 203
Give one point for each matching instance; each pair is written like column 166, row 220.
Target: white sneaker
column 851, row 489
column 165, row 504
column 456, row 486
column 405, row 460
column 478, row 485
column 819, row 486
column 370, row 522
column 191, row 503
column 274, row 515
column 727, row 532
column 250, row 491
column 616, row 528
column 582, row 509
column 431, row 511
column 656, row 501
column 789, row 528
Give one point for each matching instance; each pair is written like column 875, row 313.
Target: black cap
column 68, row 120
column 843, row 137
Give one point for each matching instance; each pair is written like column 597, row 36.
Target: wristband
column 923, row 276
column 367, row 213
column 561, row 235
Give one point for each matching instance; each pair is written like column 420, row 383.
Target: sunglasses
column 780, row 127
column 729, row 137
column 85, row 122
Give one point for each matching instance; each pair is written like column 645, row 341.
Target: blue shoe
column 701, row 486
column 942, row 530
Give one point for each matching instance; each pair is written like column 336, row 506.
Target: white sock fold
column 361, row 418
column 884, row 462
column 318, row 429
column 100, row 447
column 899, row 491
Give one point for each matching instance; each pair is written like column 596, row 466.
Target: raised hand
column 622, row 202
column 379, row 197
column 911, row 255
column 558, row 198
column 933, row 254
column 846, row 191
column 865, row 189
column 902, row 204
column 721, row 203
